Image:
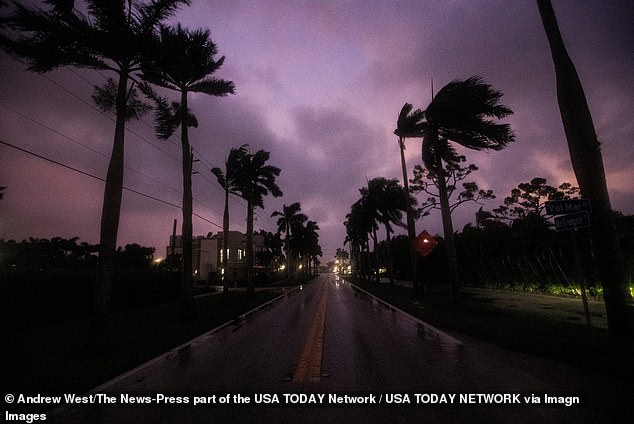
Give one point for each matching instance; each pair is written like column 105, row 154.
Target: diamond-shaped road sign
column 425, row 243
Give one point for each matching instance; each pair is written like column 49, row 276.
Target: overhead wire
column 131, row 190
column 213, row 183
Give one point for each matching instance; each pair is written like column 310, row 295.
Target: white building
column 207, row 255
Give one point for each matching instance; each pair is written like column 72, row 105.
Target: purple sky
column 319, row 85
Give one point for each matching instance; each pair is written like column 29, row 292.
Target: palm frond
column 213, row 87
column 48, row 40
column 158, row 10
column 105, row 97
column 461, row 111
column 166, row 118
column 220, row 176
column 409, row 124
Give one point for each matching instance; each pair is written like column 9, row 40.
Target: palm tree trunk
column 447, row 226
column 587, row 162
column 288, row 250
column 376, row 257
column 110, row 214
column 249, row 248
column 411, row 225
column 388, row 245
column 187, row 298
column 225, row 246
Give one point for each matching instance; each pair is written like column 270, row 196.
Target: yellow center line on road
column 309, row 364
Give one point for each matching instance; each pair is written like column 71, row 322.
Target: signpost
column 573, row 214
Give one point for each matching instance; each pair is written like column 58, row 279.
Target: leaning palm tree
column 256, row 180
column 113, row 36
column 587, row 162
column 229, row 182
column 409, row 125
column 289, row 217
column 461, row 113
column 183, row 61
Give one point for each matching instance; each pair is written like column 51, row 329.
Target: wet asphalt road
column 330, row 338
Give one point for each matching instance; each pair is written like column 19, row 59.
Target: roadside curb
column 178, row 350
column 443, row 337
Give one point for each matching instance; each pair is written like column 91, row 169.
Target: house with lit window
column 208, row 254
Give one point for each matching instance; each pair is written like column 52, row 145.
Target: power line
column 202, row 159
column 102, row 179
column 93, row 107
column 83, row 145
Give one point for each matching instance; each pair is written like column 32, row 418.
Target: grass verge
column 50, row 357
column 520, row 322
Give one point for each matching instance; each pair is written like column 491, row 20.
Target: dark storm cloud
column 319, row 85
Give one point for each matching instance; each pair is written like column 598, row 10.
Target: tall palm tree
column 305, row 241
column 461, row 113
column 389, row 200
column 409, row 125
column 256, row 180
column 587, row 162
column 229, row 181
column 358, row 228
column 289, row 217
column 183, row 61
column 312, row 243
column 113, row 36
column 362, row 225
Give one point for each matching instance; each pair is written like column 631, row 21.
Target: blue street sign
column 562, row 207
column 572, row 221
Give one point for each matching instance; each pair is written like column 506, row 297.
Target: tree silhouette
column 460, row 113
column 256, row 180
column 587, row 163
column 113, row 36
column 388, row 200
column 183, row 61
column 229, row 181
column 426, row 182
column 289, row 218
column 409, row 125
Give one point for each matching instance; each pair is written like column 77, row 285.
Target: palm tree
column 114, row 36
column 409, row 125
column 389, row 200
column 289, row 217
column 460, row 113
column 256, row 180
column 183, row 61
column 587, row 162
column 305, row 241
column 361, row 225
column 312, row 243
column 229, row 181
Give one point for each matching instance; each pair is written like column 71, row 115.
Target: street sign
column 562, row 207
column 572, row 221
